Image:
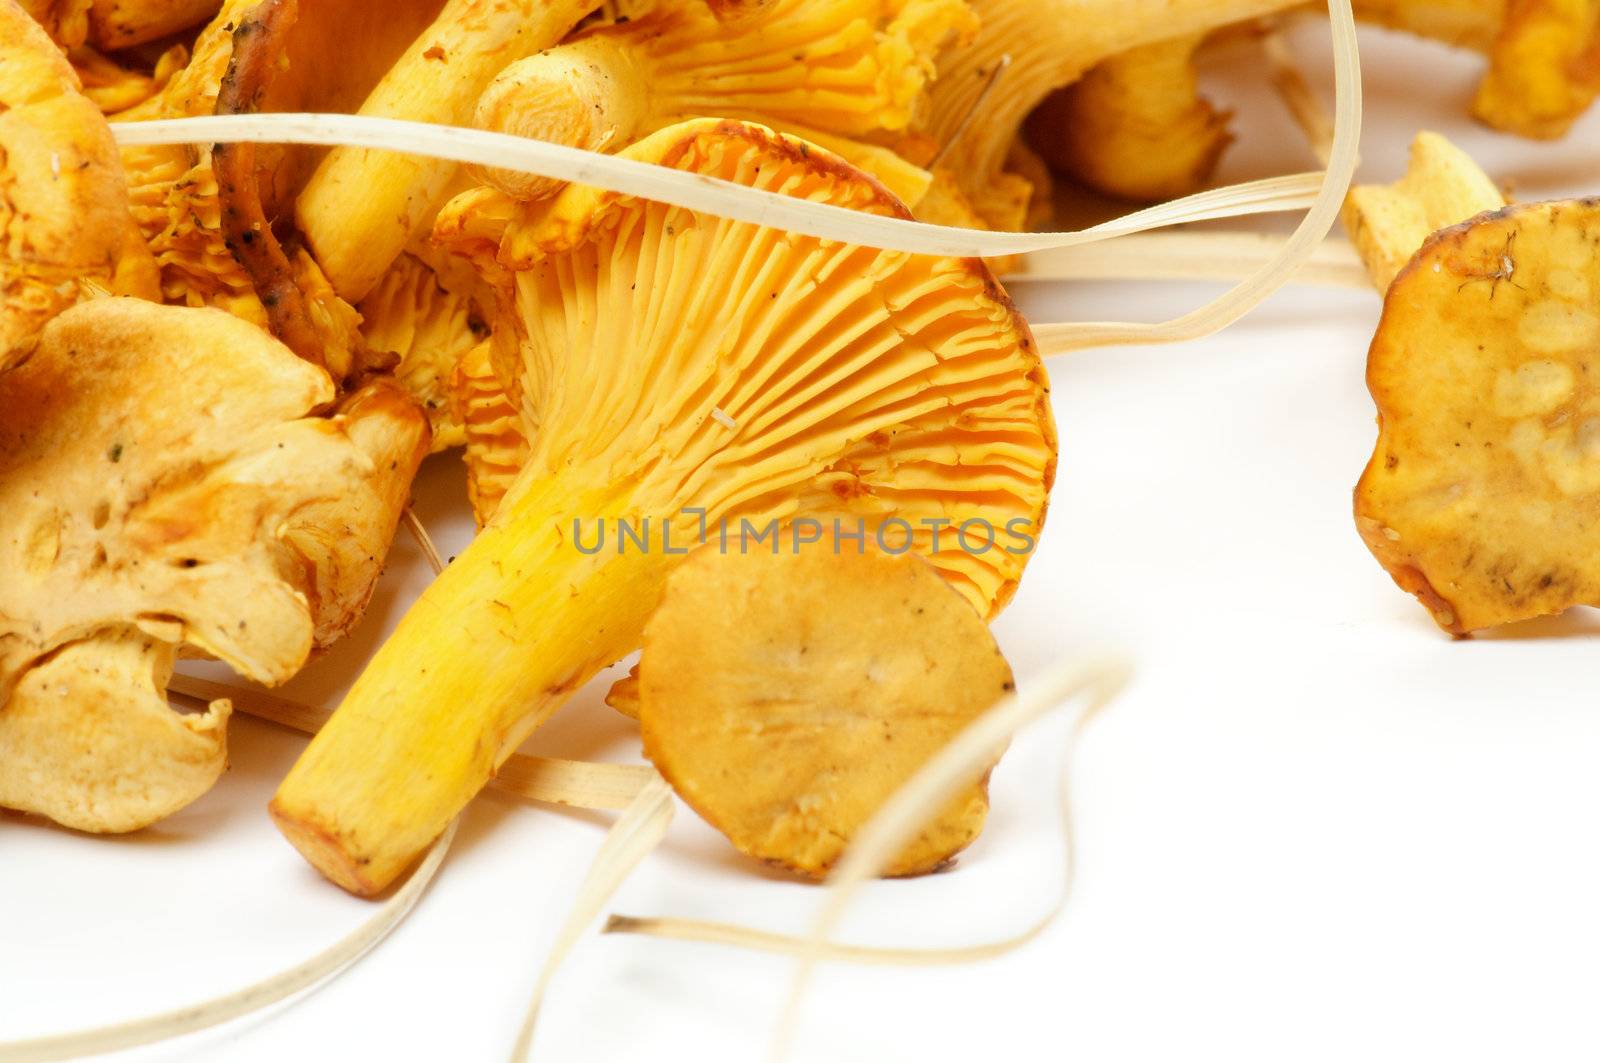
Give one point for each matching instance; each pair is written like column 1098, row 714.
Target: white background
column 1313, row 828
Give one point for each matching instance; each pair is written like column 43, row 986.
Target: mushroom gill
column 836, row 72
column 675, row 372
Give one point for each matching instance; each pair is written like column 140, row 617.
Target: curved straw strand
column 195, row 1017
column 1096, row 678
column 1192, row 256
column 1313, row 229
column 318, row 969
column 697, row 192
column 633, row 837
column 808, row 947
column 573, row 783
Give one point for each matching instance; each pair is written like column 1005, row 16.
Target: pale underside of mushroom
column 166, row 487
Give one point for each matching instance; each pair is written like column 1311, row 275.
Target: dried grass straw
column 1090, row 682
column 1296, row 251
column 547, row 780
column 1194, row 256
column 697, row 192
column 195, row 1017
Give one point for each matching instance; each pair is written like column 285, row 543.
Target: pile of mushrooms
column 222, row 364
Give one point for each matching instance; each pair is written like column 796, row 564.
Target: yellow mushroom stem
column 832, row 71
column 362, row 206
column 695, row 374
column 502, row 639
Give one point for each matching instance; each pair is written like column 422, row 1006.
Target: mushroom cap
column 1483, row 494
column 836, row 72
column 873, row 387
column 165, row 483
column 64, row 223
column 787, row 697
column 1544, row 68
column 1544, row 55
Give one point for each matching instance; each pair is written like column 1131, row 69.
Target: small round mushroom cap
column 63, row 201
column 787, row 697
column 1482, row 497
column 164, row 483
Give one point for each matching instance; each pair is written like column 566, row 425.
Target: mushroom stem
column 362, row 207
column 516, row 624
column 116, row 24
column 587, row 94
column 840, row 73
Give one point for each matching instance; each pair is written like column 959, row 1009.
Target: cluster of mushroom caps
column 220, row 367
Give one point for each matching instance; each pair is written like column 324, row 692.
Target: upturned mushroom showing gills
column 64, row 224
column 1051, row 44
column 675, row 372
column 165, row 486
column 836, row 72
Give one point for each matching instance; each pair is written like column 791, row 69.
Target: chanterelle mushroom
column 1483, row 494
column 428, row 312
column 64, row 222
column 1135, row 126
column 836, row 72
column 1051, row 44
column 208, row 213
column 1544, row 55
column 165, row 484
column 664, row 364
column 362, row 207
column 1442, row 186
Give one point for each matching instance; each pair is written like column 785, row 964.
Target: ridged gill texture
column 662, row 361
